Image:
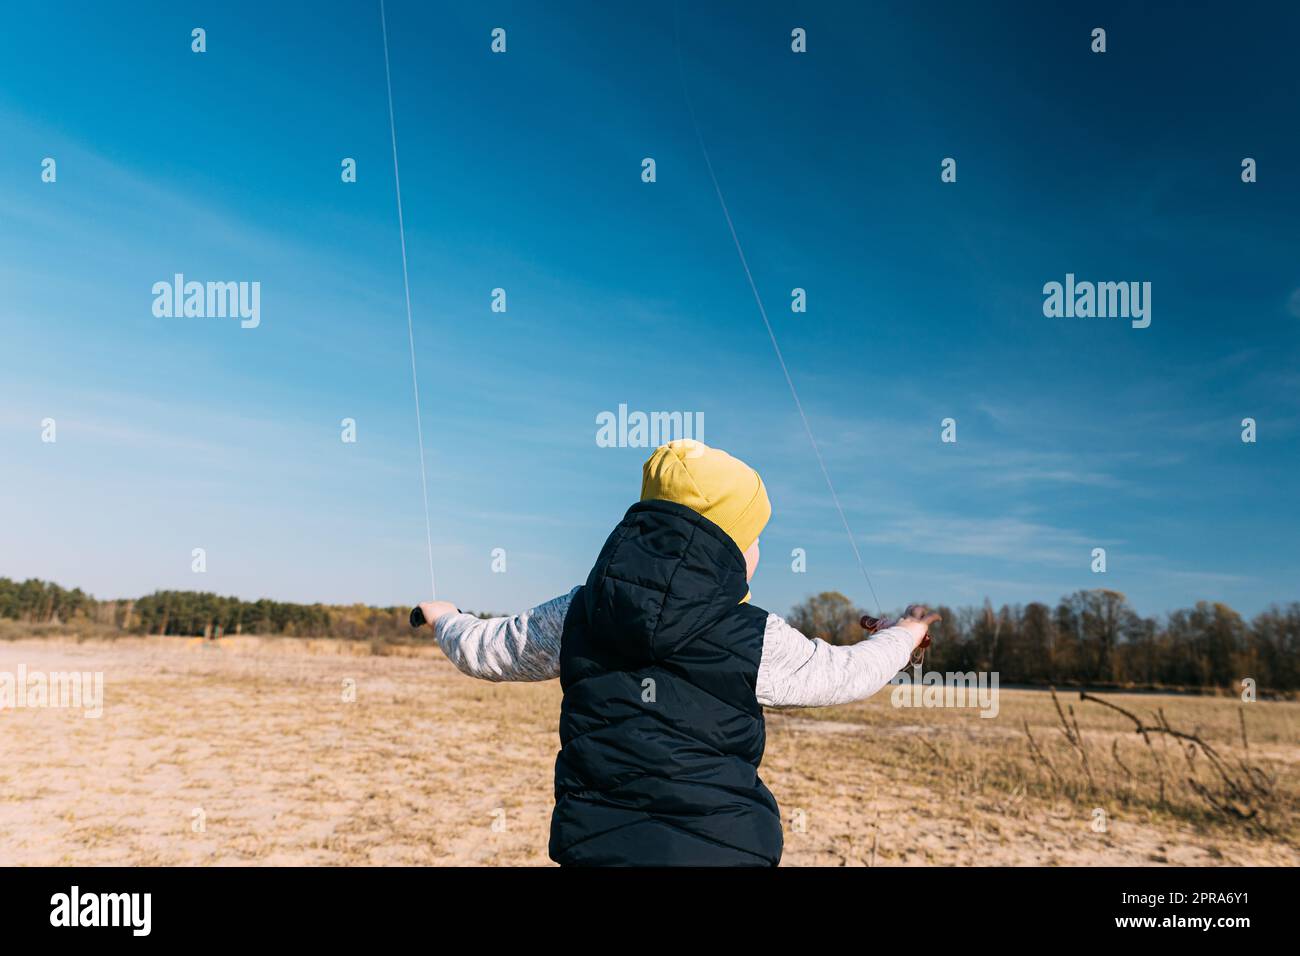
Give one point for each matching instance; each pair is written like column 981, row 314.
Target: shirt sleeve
column 798, row 672
column 524, row 647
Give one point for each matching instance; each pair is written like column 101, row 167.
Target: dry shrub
column 1163, row 768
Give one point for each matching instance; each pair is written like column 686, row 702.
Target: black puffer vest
column 661, row 732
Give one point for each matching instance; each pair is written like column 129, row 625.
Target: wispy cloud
column 1008, row 540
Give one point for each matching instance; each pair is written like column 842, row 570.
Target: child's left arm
column 523, row 647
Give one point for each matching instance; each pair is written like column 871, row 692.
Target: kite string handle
column 873, row 624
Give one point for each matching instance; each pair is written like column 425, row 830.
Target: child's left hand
column 435, row 609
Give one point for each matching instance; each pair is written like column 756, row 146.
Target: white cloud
column 1001, row 538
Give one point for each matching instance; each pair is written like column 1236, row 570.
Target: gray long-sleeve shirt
column 795, row 671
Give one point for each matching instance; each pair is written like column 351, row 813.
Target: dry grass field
column 248, row 752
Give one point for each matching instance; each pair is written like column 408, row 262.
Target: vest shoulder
column 749, row 618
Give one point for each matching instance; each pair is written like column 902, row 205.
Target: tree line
column 1089, row 637
column 1094, row 637
column 199, row 613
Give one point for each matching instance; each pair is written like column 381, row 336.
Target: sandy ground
column 255, row 752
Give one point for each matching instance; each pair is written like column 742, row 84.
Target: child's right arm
column 799, row 672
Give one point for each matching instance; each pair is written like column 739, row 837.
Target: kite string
column 410, row 327
column 794, row 393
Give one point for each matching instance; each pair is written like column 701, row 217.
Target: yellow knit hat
column 709, row 481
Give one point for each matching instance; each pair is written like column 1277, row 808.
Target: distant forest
column 1094, row 638
column 199, row 614
column 1090, row 637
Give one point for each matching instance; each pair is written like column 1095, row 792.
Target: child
column 666, row 668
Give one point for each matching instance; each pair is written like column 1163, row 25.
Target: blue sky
column 522, row 171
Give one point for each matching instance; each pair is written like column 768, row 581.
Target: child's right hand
column 919, row 614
